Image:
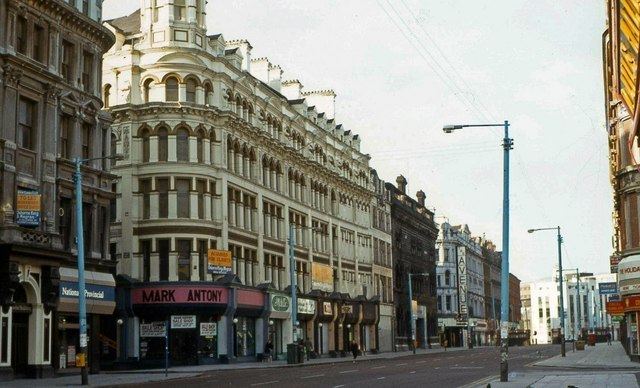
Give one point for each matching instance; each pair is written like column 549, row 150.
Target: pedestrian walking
column 608, row 338
column 355, row 349
column 446, row 344
column 268, row 349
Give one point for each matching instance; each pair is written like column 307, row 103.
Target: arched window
column 163, row 145
column 208, row 93
column 107, row 94
column 146, row 88
column 201, row 146
column 145, row 146
column 183, row 145
column 447, row 278
column 171, row 89
column 191, row 90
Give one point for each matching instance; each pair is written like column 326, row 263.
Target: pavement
column 597, row 366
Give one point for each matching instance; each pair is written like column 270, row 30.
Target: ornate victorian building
column 50, row 61
column 414, row 252
column 221, row 154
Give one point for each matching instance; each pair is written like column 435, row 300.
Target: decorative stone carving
column 12, row 75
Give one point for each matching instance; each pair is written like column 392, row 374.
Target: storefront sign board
column 462, row 280
column 183, row 321
column 153, row 329
column 180, row 294
column 92, row 291
column 608, row 288
column 306, row 306
column 321, row 277
column 208, row 329
column 615, row 308
column 28, row 208
column 280, row 303
column 347, row 309
column 219, row 262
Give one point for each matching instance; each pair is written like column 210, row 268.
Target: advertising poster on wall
column 321, row 277
column 219, row 262
column 28, row 208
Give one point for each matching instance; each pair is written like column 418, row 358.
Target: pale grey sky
column 535, row 63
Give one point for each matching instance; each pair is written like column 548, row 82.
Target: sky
column 402, row 69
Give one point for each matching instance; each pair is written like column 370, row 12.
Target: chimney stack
column 402, row 184
column 421, row 197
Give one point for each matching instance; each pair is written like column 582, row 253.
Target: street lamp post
column 411, row 329
column 562, row 327
column 507, row 145
column 82, row 302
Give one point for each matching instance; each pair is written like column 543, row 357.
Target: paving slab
column 601, row 356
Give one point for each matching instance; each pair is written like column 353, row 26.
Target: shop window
column 184, row 259
column 163, row 256
column 244, row 337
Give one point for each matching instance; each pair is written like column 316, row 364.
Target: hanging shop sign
column 608, row 288
column 327, row 308
column 181, row 294
column 321, row 277
column 219, row 262
column 208, row 329
column 306, row 306
column 28, row 208
column 280, row 303
column 183, row 321
column 462, row 280
column 629, row 275
column 614, row 260
column 153, row 329
column 615, row 308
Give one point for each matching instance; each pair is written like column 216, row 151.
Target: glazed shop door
column 20, row 343
column 183, row 346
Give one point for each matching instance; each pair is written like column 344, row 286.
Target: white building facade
column 222, row 154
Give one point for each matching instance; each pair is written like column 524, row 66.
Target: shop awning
column 100, row 291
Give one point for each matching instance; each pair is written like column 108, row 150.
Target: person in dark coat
column 268, row 351
column 355, row 350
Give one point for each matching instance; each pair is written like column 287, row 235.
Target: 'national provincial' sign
column 92, row 291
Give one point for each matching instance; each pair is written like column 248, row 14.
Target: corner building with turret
column 222, row 154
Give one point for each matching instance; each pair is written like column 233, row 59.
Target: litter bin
column 579, row 345
column 292, row 354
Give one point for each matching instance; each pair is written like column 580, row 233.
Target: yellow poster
column 219, row 262
column 321, row 277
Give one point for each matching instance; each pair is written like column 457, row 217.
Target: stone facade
column 221, row 153
column 50, row 56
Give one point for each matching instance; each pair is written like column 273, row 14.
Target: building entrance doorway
column 20, row 332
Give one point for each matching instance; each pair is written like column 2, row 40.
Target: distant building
column 414, row 234
column 515, row 316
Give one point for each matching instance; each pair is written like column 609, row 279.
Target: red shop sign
column 632, row 303
column 180, row 294
column 250, row 298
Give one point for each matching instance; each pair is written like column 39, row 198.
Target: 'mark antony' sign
column 180, row 294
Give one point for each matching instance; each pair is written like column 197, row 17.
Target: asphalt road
column 450, row 369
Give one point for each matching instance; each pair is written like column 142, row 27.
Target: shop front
column 100, row 304
column 306, row 315
column 629, row 288
column 279, row 314
column 324, row 327
column 190, row 311
column 352, row 316
column 369, row 326
column 250, row 324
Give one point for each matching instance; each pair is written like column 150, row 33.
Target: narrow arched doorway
column 20, row 332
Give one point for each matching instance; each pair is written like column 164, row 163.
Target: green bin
column 292, row 354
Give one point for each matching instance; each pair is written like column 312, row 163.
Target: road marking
column 265, row 383
column 379, row 367
column 338, row 386
column 349, row 371
column 381, row 378
column 404, row 363
column 420, row 362
column 312, row 376
column 437, row 367
column 412, row 372
column 466, row 367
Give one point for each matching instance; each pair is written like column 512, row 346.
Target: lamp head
column 531, row 230
column 451, row 128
